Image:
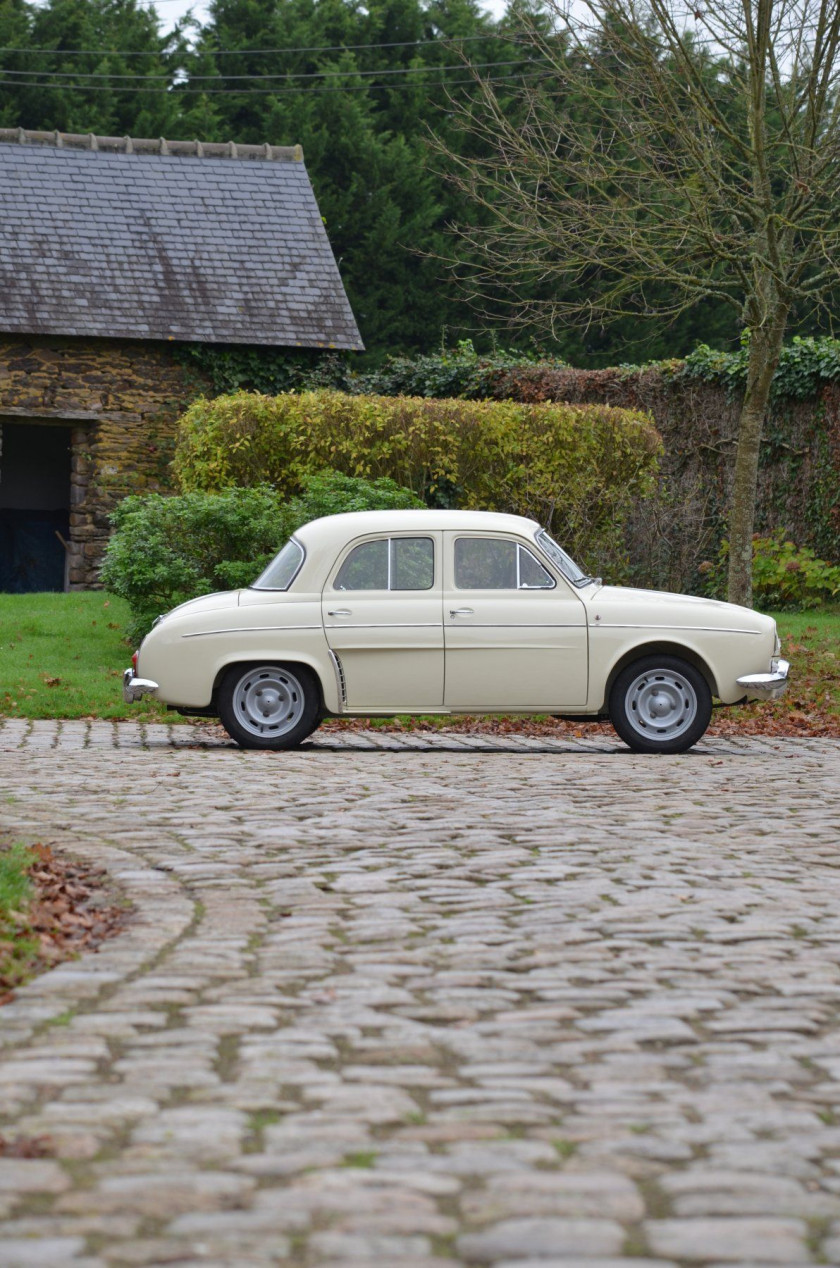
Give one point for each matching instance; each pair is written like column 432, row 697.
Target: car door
column 382, row 614
column 515, row 633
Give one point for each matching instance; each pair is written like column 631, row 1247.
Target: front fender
column 722, row 656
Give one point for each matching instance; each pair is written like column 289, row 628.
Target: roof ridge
column 152, row 145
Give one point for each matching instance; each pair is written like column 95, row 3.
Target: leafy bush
column 231, row 368
column 784, row 575
column 331, row 493
column 577, row 469
column 805, row 366
column 169, row 549
column 459, row 371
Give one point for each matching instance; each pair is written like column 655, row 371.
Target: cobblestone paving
column 467, row 1002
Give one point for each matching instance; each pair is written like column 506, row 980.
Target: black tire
column 660, row 704
column 292, row 700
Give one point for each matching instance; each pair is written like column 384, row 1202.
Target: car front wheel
column 269, row 706
column 660, row 704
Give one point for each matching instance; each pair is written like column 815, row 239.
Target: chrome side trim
column 381, row 625
column 253, row 629
column 676, row 630
column 340, row 681
column 514, row 625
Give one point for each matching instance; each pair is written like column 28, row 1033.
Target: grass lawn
column 17, row 946
column 811, row 642
column 62, row 656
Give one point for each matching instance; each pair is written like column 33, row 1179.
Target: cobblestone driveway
column 502, row 1003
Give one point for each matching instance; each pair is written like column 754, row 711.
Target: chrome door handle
column 461, row 612
column 340, row 612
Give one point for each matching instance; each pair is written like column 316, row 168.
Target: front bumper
column 134, row 688
column 766, row 686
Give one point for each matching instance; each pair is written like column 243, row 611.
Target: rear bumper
column 134, row 688
column 766, row 686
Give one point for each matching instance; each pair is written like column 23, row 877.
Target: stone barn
column 114, row 251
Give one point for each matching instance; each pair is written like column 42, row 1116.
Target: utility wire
column 317, row 74
column 315, row 88
column 443, row 41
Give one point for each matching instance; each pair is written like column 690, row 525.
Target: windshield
column 283, row 568
column 570, row 570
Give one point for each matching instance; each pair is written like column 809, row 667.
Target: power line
column 318, row 74
column 314, row 88
column 444, row 41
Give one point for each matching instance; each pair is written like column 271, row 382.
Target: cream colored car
column 389, row 612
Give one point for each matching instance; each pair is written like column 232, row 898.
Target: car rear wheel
column 269, row 706
column 660, row 704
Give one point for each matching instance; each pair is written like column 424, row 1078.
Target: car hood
column 623, row 605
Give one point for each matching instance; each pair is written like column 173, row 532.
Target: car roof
column 342, row 528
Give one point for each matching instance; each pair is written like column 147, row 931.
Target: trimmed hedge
column 576, row 469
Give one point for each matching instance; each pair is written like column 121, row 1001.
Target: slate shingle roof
column 137, row 239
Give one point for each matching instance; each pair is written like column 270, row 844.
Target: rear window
column 283, row 568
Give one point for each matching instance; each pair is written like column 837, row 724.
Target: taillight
column 134, row 662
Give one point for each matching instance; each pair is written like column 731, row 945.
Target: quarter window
column 491, row 563
column 391, row 563
column 282, row 570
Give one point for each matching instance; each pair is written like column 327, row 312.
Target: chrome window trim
column 294, row 576
column 519, row 587
column 389, row 539
column 579, row 582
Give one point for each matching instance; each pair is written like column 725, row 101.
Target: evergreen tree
column 71, row 71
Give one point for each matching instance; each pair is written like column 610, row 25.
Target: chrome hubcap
column 661, row 702
column 268, row 701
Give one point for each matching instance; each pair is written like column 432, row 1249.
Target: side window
column 396, row 563
column 365, row 568
column 485, row 563
column 532, row 575
column 412, row 563
column 490, row 563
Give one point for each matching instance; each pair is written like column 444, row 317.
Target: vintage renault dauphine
column 379, row 613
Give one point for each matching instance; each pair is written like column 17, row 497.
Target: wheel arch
column 663, row 647
column 289, row 662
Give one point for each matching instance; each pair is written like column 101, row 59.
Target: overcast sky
column 171, row 10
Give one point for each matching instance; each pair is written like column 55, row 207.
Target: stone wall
column 121, row 400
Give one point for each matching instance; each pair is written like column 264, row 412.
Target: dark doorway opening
column 34, row 506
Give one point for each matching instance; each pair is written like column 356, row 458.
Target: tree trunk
column 765, row 348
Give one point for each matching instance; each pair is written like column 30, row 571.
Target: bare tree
column 667, row 153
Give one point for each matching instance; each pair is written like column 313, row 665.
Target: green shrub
column 168, row 549
column 331, row 493
column 577, row 469
column 458, row 371
column 805, row 366
column 236, row 367
column 784, row 575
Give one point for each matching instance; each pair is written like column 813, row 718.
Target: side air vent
column 340, row 679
